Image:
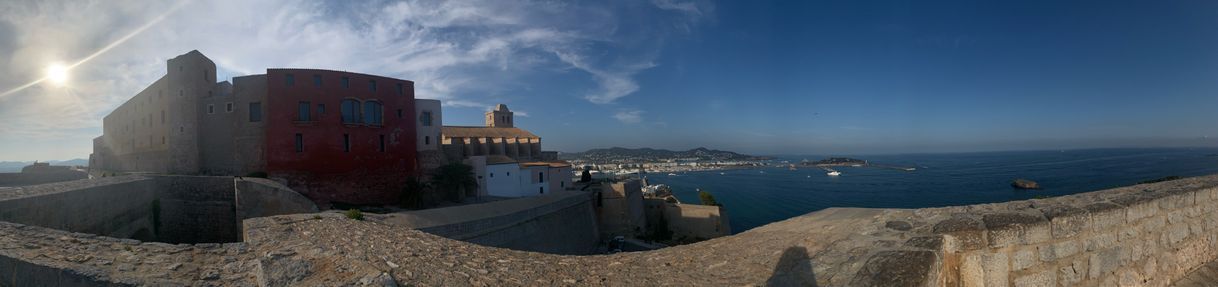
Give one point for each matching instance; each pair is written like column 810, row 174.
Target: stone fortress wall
column 1142, row 235
column 560, row 223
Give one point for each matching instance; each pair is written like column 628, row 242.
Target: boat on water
column 672, row 174
column 720, row 173
column 834, row 173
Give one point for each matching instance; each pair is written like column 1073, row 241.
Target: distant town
column 619, row 160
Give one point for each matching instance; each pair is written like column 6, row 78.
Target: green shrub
column 355, row 214
column 707, row 198
column 1161, row 179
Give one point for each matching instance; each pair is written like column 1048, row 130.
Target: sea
column 758, row 196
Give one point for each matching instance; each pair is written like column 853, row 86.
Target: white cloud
column 460, row 52
column 629, row 117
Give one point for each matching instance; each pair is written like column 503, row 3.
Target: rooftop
column 486, row 132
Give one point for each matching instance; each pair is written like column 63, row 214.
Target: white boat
column 672, row 174
column 720, row 173
column 834, row 173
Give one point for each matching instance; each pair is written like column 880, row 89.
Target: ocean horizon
column 758, row 196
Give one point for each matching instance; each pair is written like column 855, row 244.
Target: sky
column 759, row 77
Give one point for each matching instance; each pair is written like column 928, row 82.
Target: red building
column 338, row 136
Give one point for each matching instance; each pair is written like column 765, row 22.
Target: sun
column 57, row 74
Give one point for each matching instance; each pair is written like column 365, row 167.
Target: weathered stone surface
column 895, row 268
column 931, row 242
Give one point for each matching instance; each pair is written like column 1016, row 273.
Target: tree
column 707, row 198
column 412, row 193
column 586, row 176
column 455, row 179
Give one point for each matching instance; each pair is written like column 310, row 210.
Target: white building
column 428, row 125
column 504, row 177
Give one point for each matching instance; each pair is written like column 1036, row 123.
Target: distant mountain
column 700, row 153
column 15, row 166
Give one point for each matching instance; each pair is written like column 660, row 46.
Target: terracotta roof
column 486, row 132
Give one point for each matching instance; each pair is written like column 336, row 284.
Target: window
column 541, row 190
column 181, row 93
column 302, row 111
column 372, row 113
column 382, row 143
column 255, row 112
column 350, row 111
column 317, row 80
column 228, row 107
column 289, row 79
column 426, row 140
column 211, row 109
column 401, row 91
column 162, row 116
column 346, row 82
column 426, row 118
column 321, row 109
column 162, row 140
column 372, row 85
column 492, row 174
column 299, row 143
column 399, row 113
column 346, row 143
column 562, row 184
column 509, row 173
column 541, row 177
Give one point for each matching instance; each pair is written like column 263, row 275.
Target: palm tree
column 455, row 179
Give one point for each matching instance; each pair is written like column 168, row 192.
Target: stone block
column 1154, row 223
column 1023, row 259
column 1066, row 221
column 1105, row 215
column 1064, row 249
column 984, row 269
column 1072, row 273
column 1043, row 278
column 1130, row 232
column 1176, row 217
column 1177, row 201
column 1140, row 210
column 968, row 232
column 1176, row 233
column 1103, row 262
column 1102, row 241
column 1011, row 228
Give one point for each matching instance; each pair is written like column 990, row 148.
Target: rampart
column 1143, row 235
column 560, row 223
column 31, row 178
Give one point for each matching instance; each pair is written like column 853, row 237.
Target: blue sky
column 780, row 77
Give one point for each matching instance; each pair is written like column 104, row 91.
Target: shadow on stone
column 794, row 268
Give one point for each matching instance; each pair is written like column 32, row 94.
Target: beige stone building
column 498, row 137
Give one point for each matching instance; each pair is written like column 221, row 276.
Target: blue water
column 753, row 198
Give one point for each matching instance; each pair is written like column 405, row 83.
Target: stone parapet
column 1142, row 235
